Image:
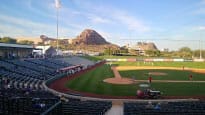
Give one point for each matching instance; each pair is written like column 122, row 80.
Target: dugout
column 10, row 51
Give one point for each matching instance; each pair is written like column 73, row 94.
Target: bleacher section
column 25, row 102
column 85, row 107
column 30, row 73
column 22, row 91
column 168, row 108
column 35, row 102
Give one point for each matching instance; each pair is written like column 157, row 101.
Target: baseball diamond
column 173, row 81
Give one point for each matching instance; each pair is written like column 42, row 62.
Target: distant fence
column 157, row 60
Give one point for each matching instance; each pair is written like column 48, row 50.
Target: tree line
column 184, row 52
column 14, row 41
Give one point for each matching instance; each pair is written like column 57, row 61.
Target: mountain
column 90, row 37
column 146, row 46
column 90, row 40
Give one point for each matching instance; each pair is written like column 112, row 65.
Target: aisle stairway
column 116, row 109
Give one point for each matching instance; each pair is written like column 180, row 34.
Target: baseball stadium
column 92, row 57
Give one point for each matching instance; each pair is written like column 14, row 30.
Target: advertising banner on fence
column 131, row 59
column 199, row 60
column 178, row 60
column 156, row 60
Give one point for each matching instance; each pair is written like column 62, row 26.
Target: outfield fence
column 155, row 60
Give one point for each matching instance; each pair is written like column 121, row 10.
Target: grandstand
column 22, row 90
column 22, row 84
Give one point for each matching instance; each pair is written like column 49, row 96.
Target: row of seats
column 58, row 62
column 8, row 65
column 18, row 81
column 85, row 107
column 30, row 73
column 35, row 102
column 46, row 63
column 32, row 66
column 168, row 108
column 25, row 102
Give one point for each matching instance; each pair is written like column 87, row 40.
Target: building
column 142, row 47
column 15, row 50
column 47, row 51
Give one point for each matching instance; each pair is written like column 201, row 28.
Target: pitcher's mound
column 119, row 81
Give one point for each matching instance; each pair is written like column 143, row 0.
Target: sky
column 168, row 23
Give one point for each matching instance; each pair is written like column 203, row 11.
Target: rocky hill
column 90, row 40
column 90, row 37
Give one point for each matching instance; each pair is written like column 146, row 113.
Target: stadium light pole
column 57, row 5
column 200, row 46
column 200, row 49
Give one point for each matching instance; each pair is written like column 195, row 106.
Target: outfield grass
column 180, row 89
column 92, row 82
column 171, row 75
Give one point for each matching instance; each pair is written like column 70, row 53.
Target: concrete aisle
column 117, row 108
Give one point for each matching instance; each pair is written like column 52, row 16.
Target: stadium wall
column 156, row 60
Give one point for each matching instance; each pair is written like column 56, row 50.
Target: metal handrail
column 51, row 108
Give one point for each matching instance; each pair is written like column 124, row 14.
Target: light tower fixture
column 57, row 5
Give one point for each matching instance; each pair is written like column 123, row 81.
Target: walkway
column 117, row 108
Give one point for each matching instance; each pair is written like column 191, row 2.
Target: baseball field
column 171, row 78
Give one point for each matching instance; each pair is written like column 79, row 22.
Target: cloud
column 5, row 30
column 203, row 2
column 98, row 20
column 22, row 22
column 131, row 22
column 104, row 34
column 200, row 28
column 200, row 11
column 120, row 17
column 44, row 8
column 114, row 16
column 23, row 27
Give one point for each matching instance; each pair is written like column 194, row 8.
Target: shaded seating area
column 24, row 102
column 167, row 108
column 85, row 107
column 35, row 102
